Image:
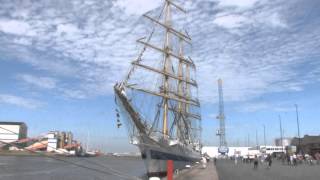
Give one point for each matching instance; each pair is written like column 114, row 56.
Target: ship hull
column 156, row 153
column 156, row 157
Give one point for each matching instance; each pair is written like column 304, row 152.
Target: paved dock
column 70, row 168
column 227, row 170
column 199, row 173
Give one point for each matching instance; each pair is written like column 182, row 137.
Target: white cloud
column 237, row 20
column 23, row 41
column 67, row 29
column 249, row 107
column 16, row 27
column 238, row 3
column 276, row 21
column 137, row 7
column 72, row 93
column 93, row 43
column 41, row 82
column 231, row 21
column 253, row 107
column 19, row 101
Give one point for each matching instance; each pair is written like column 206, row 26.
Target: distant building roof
column 306, row 140
column 11, row 123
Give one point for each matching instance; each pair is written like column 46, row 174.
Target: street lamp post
column 257, row 140
column 298, row 126
column 264, row 136
column 281, row 135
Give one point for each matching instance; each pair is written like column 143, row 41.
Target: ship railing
column 156, row 135
column 134, row 140
column 159, row 136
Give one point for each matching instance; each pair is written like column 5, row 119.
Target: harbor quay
column 71, row 168
column 132, row 168
column 200, row 173
column 229, row 170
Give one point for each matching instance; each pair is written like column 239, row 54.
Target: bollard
column 169, row 170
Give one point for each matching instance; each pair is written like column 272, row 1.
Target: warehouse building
column 12, row 131
column 212, row 151
column 308, row 144
column 57, row 140
column 283, row 141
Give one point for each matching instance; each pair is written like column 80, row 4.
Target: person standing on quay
column 288, row 159
column 269, row 160
column 214, row 160
column 283, row 158
column 317, row 156
column 236, row 159
column 294, row 159
column 204, row 162
column 255, row 162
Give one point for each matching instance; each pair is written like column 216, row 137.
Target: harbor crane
column 223, row 149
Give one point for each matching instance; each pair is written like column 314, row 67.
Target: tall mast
column 181, row 95
column 166, row 48
column 180, row 92
column 187, row 91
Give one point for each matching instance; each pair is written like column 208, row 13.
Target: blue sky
column 60, row 59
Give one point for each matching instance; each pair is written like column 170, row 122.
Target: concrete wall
column 238, row 150
column 212, row 151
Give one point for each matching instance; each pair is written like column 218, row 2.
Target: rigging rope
column 144, row 48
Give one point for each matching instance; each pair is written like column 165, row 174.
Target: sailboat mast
column 187, row 91
column 165, row 67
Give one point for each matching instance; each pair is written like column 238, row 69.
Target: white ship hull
column 156, row 156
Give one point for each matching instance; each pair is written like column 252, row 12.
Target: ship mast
column 182, row 94
column 165, row 68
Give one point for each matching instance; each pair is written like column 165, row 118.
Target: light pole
column 264, row 136
column 298, row 126
column 257, row 141
column 281, row 136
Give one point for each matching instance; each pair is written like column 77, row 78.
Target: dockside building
column 11, row 132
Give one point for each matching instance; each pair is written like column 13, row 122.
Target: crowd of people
column 292, row 159
column 295, row 159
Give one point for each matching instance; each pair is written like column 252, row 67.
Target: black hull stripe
column 157, row 174
column 167, row 156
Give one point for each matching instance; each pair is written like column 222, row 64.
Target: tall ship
column 158, row 98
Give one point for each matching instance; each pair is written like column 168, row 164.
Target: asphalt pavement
column 199, row 173
column 70, row 168
column 228, row 170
